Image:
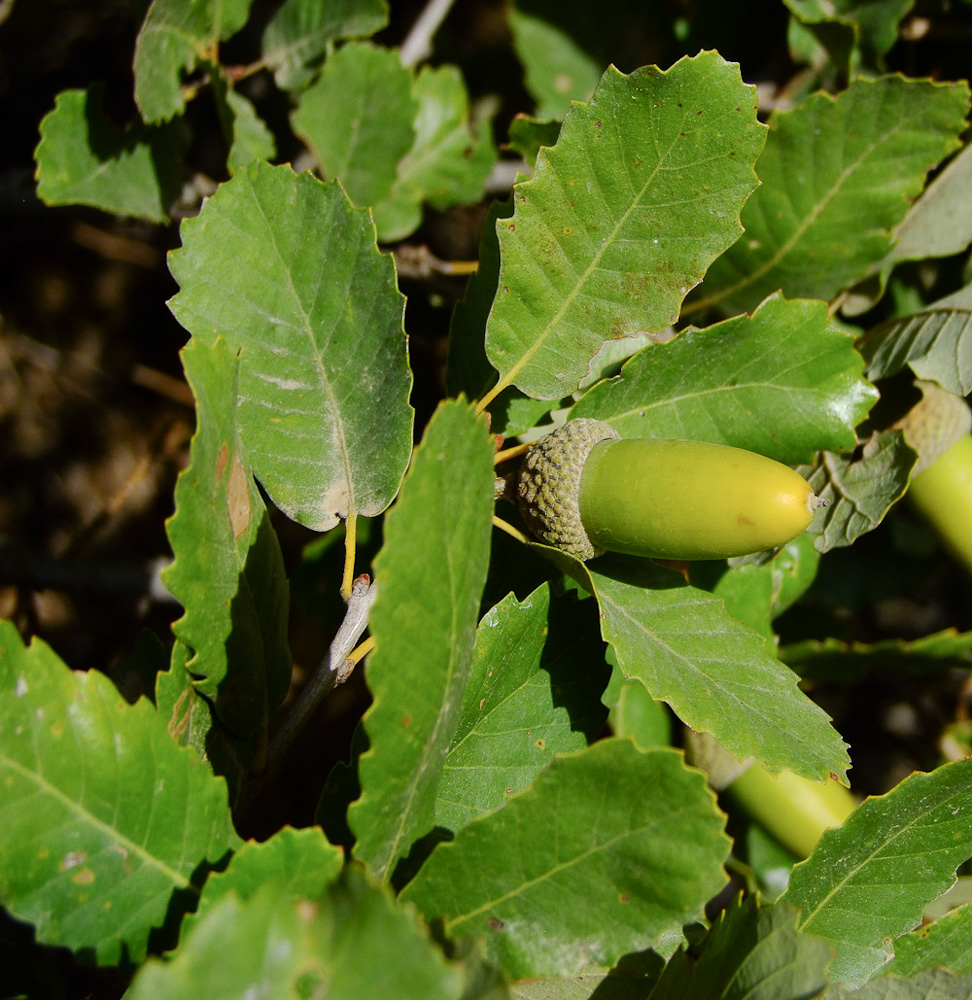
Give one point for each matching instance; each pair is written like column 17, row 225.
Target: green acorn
column 585, row 490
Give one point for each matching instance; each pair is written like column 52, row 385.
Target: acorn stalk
column 585, row 490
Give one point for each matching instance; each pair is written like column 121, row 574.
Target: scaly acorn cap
column 934, row 423
column 548, row 485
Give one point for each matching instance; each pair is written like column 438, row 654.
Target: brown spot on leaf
column 238, row 497
column 222, row 459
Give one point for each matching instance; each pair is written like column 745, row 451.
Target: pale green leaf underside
column 610, row 850
column 932, row 984
column 624, row 214
column 352, row 941
column 534, row 691
column 784, row 383
column 837, row 177
column 299, row 32
column 717, row 675
column 935, row 343
column 288, row 272
column 750, row 953
column 868, row 881
column 85, row 159
column 176, row 35
column 860, row 490
column 102, row 816
column 228, row 571
column 430, row 574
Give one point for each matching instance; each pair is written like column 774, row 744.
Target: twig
column 418, row 45
column 333, row 669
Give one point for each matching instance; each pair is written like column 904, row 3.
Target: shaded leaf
column 868, row 880
column 283, row 267
column 430, row 573
column 945, row 943
column 861, row 490
column 248, row 135
column 358, row 119
column 784, row 383
column 468, row 369
column 751, row 952
column 175, row 37
column 538, row 673
column 449, row 161
column 228, row 570
column 635, row 837
column 935, row 343
column 758, row 593
column 85, row 159
column 557, row 69
column 527, row 135
column 717, row 675
column 848, row 662
column 837, row 175
column 623, row 216
column 875, row 25
column 353, row 943
column 102, row 817
column 298, row 34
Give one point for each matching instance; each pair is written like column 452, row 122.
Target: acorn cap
column 548, row 485
column 934, row 423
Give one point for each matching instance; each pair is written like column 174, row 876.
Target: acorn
column 941, row 482
column 586, row 490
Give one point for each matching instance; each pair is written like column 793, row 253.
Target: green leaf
column 449, row 161
column 283, row 267
column 717, row 675
column 102, row 817
column 430, row 574
column 751, row 952
column 538, row 673
column 558, row 71
column 84, row 159
column 528, row 135
column 861, row 490
column 637, row 716
column 838, row 174
column 358, row 119
column 228, row 571
column 634, row 839
column 875, row 25
column 351, row 943
column 299, row 33
column 250, row 138
column 175, row 37
column 784, row 383
column 301, row 862
column 935, row 343
column 624, row 214
column 944, row 943
column 848, row 663
column 868, row 880
column 935, row 984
